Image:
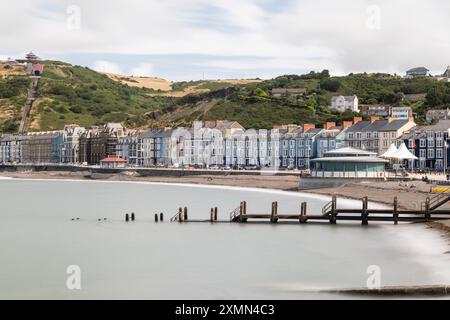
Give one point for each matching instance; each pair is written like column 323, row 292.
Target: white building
column 343, row 103
column 11, row 148
column 71, row 145
column 402, row 113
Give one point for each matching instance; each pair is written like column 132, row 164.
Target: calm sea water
column 148, row 260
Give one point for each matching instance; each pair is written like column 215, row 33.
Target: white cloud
column 142, row 70
column 107, row 67
column 308, row 34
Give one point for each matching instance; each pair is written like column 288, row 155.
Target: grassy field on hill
column 75, row 94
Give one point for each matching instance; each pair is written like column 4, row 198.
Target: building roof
column 288, row 91
column 376, row 126
column 394, row 125
column 31, row 56
column 351, row 159
column 418, row 70
column 446, row 73
column 359, row 126
column 113, row 159
column 347, row 98
column 349, row 151
column 222, row 124
column 420, row 132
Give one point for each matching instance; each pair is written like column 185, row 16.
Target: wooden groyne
column 433, row 290
column 331, row 213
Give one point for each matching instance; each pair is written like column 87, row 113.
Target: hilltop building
column 343, row 103
column 376, row 110
column 31, row 57
column 417, row 72
column 402, row 113
column 283, row 92
column 436, row 115
column 445, row 76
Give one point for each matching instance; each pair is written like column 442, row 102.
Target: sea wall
column 144, row 172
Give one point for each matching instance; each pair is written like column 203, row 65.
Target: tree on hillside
column 329, row 84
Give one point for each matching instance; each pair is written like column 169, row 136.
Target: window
column 350, row 135
column 411, row 143
column 430, row 153
column 423, row 143
column 439, row 143
column 332, row 144
column 439, row 153
column 439, row 164
column 358, row 135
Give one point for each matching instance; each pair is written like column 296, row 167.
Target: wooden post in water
column 211, row 215
column 156, row 217
column 180, row 214
column 333, row 209
column 133, row 216
column 127, row 217
column 274, row 215
column 364, row 214
column 243, row 212
column 161, row 217
column 427, row 210
column 395, row 210
column 215, row 213
column 185, row 214
column 303, row 218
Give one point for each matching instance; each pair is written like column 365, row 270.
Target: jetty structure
column 429, row 211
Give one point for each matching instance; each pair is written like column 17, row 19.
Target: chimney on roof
column 329, row 125
column 308, row 126
column 373, row 119
column 357, row 119
column 347, row 124
column 292, row 127
column 210, row 124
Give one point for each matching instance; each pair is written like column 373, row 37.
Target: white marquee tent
column 392, row 149
column 403, row 154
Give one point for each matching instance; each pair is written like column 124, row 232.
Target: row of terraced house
column 227, row 143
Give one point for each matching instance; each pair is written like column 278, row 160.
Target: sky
column 225, row 39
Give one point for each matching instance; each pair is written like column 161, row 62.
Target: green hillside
column 74, row 94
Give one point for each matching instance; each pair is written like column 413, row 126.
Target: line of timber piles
column 332, row 214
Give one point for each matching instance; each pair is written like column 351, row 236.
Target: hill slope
column 74, row 94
